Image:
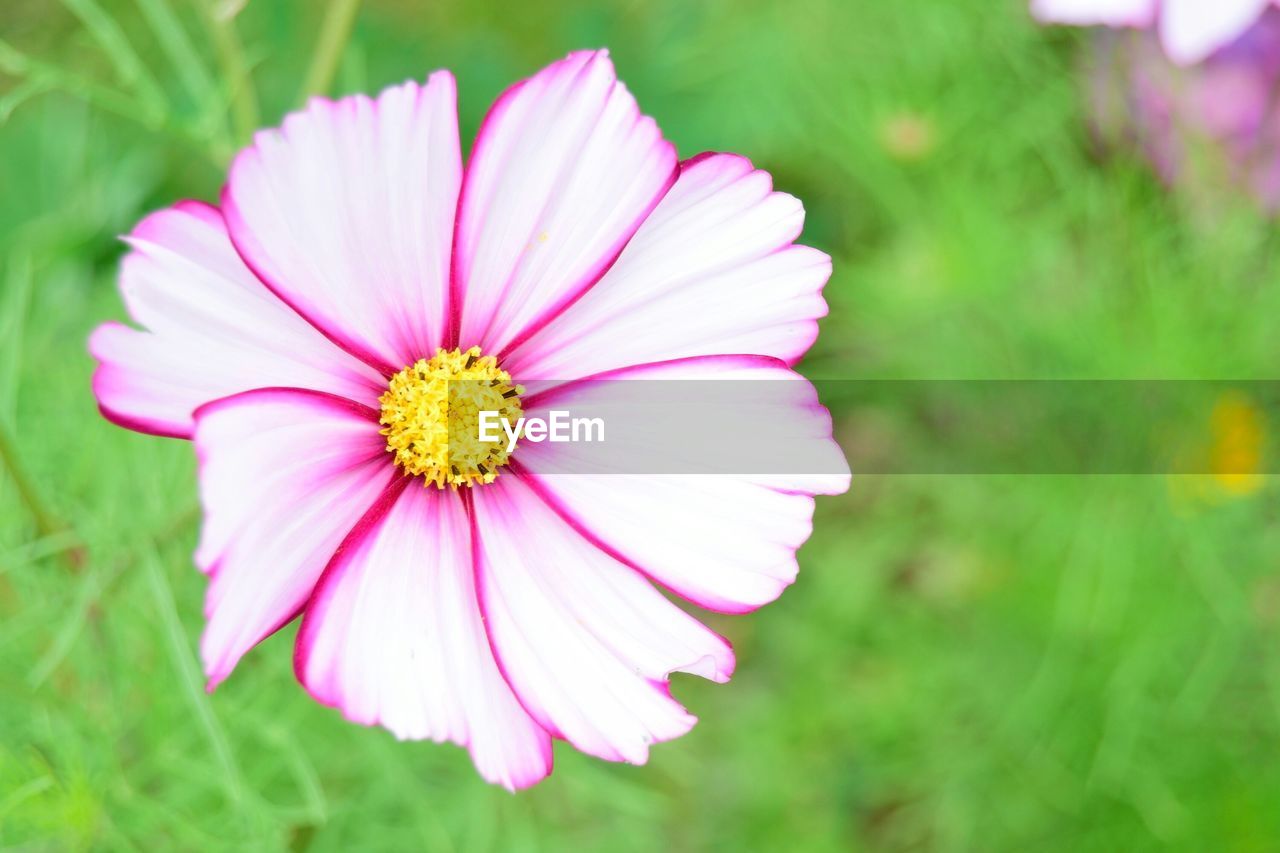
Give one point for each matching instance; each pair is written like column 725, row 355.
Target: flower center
column 431, row 414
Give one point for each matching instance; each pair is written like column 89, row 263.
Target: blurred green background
column 966, row 663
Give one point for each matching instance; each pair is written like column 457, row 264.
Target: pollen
column 431, row 417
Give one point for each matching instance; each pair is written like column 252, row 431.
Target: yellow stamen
column 431, row 414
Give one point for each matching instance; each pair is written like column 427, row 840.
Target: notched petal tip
column 717, row 668
column 565, row 162
column 215, row 670
column 587, row 55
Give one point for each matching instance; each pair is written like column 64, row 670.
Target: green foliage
column 966, row 663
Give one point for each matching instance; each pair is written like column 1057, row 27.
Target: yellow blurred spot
column 1231, row 455
column 1235, row 456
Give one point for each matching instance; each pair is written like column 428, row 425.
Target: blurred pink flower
column 301, row 335
column 1190, row 30
column 1200, row 125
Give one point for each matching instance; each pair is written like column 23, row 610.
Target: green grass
column 966, row 663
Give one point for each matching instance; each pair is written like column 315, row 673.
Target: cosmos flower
column 306, row 334
column 1189, row 30
column 1202, row 126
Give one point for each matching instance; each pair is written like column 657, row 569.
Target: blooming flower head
column 1201, row 125
column 328, row 336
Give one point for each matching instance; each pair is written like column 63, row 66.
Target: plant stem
column 47, row 523
column 244, row 99
column 334, row 34
column 17, row 64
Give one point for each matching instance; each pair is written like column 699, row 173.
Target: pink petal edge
column 605, row 692
column 383, row 346
column 551, row 294
column 249, row 449
column 512, row 751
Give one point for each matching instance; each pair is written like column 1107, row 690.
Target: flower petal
column 712, row 270
column 564, row 170
column 347, row 213
column 213, row 330
column 393, row 636
column 284, row 475
column 585, row 642
column 1086, row 13
column 1193, row 29
column 728, row 541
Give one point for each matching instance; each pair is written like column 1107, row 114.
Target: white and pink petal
column 347, row 211
column 713, row 270
column 1084, row 13
column 210, row 330
column 586, row 643
column 393, row 636
column 564, row 170
column 285, row 474
column 1191, row 30
column 729, row 525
